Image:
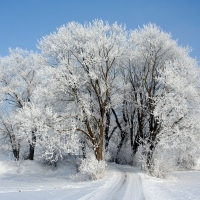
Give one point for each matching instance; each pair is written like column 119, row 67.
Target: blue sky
column 24, row 22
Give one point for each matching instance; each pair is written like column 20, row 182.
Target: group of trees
column 100, row 88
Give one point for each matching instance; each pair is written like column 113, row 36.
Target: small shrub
column 92, row 168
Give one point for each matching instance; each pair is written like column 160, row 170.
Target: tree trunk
column 123, row 134
column 99, row 153
column 32, row 147
column 83, row 147
column 135, row 144
column 16, row 153
column 99, row 148
column 15, row 146
column 107, row 130
column 150, row 158
column 31, row 152
column 139, row 133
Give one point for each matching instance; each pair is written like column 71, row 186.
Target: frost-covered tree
column 18, row 79
column 162, row 79
column 153, row 47
column 103, row 86
column 177, row 110
column 150, row 49
column 85, row 61
column 54, row 132
column 9, row 139
column 156, row 63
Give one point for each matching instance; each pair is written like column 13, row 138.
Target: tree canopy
column 102, row 89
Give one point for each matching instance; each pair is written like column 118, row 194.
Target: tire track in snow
column 124, row 184
column 111, row 186
column 132, row 187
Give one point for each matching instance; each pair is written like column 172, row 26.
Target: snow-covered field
column 29, row 180
column 183, row 185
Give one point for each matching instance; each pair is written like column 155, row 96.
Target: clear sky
column 24, row 22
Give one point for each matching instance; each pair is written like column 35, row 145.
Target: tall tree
column 86, row 60
column 18, row 80
column 157, row 57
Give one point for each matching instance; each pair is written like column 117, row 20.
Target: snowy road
column 124, row 183
column 33, row 181
column 121, row 182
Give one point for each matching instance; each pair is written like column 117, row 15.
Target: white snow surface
column 29, row 180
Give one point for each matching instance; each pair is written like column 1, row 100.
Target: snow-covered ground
column 29, row 180
column 180, row 186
